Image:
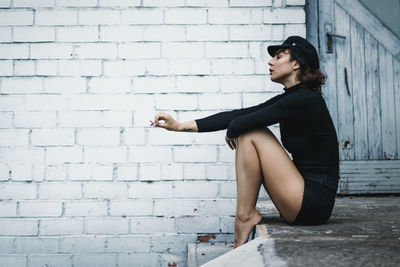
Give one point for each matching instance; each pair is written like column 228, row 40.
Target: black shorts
column 318, row 198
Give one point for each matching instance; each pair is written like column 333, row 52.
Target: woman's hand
column 232, row 142
column 169, row 123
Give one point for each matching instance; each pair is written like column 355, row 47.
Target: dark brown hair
column 312, row 78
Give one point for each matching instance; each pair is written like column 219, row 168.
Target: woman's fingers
column 231, row 142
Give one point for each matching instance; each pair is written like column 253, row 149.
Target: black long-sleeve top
column 306, row 127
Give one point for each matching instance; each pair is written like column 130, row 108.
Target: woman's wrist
column 188, row 126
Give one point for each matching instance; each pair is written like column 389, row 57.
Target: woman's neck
column 291, row 81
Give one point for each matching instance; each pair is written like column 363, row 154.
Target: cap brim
column 273, row 48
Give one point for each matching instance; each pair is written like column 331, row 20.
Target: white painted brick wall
column 83, row 178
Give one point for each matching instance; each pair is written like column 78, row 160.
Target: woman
column 303, row 189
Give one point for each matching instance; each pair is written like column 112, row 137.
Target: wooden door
column 362, row 93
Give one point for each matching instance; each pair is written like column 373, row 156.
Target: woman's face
column 281, row 68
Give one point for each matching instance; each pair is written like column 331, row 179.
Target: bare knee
column 250, row 135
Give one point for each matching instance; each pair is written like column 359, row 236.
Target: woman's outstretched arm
column 166, row 121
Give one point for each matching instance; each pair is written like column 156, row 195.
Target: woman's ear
column 296, row 65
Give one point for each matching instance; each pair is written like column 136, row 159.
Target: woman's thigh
column 284, row 183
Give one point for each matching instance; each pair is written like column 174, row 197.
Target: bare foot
column 243, row 227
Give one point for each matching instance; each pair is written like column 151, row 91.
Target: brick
column 38, row 172
column 10, row 137
column 51, row 51
column 134, row 207
column 142, row 118
column 121, row 33
column 113, row 102
column 99, row 17
column 77, row 34
column 40, row 208
column 34, row 34
column 222, row 66
column 226, row 154
column 254, row 99
column 141, row 259
column 61, row 155
column 172, row 242
column 175, row 207
column 134, row 136
column 36, row 245
column 33, row 3
column 158, row 136
column 197, row 224
column 18, row 227
column 131, row 243
column 250, row 32
column 8, row 209
column 46, row 67
column 207, row 33
column 171, row 171
column 277, row 32
column 50, row 260
column 127, row 172
column 110, row 85
column 200, row 67
column 5, row 34
column 6, row 119
column 217, row 172
column 90, row 172
column 80, row 67
column 186, row 16
column 164, row 33
column 103, row 173
column 5, row 3
column 194, row 171
column 195, row 189
column 207, row 3
column 24, row 68
column 229, row 16
column 77, row 244
column 96, row 50
column 21, row 172
column 197, row 84
column 178, row 66
column 150, row 172
column 104, row 190
column 77, row 3
column 6, row 66
column 56, row 173
column 22, row 155
column 182, row 50
column 151, row 225
column 6, row 247
column 52, row 137
column 139, row 50
column 56, row 17
column 156, row 3
column 219, row 101
column 61, row 226
column 142, row 16
column 153, row 84
column 295, row 2
column 14, row 51
column 102, row 260
column 195, row 154
column 119, row 3
column 256, row 16
column 56, row 190
column 98, row 137
column 210, row 138
column 65, row 85
column 242, row 83
column 217, row 207
column 294, row 29
column 176, row 101
column 286, row 15
column 117, row 119
column 124, row 68
column 21, row 85
column 85, row 208
column 106, row 155
column 150, row 190
column 227, row 225
column 255, row 3
column 13, row 260
column 4, row 172
column 16, row 17
column 149, row 154
column 79, row 119
column 226, row 50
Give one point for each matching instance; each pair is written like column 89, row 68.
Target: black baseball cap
column 301, row 47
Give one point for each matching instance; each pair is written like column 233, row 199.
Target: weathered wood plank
column 328, row 60
column 372, row 24
column 359, row 93
column 360, row 164
column 373, row 98
column 345, row 127
column 387, row 104
column 396, row 68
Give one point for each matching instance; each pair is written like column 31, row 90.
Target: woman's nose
column 270, row 62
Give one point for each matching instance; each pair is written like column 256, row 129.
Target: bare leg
column 261, row 158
